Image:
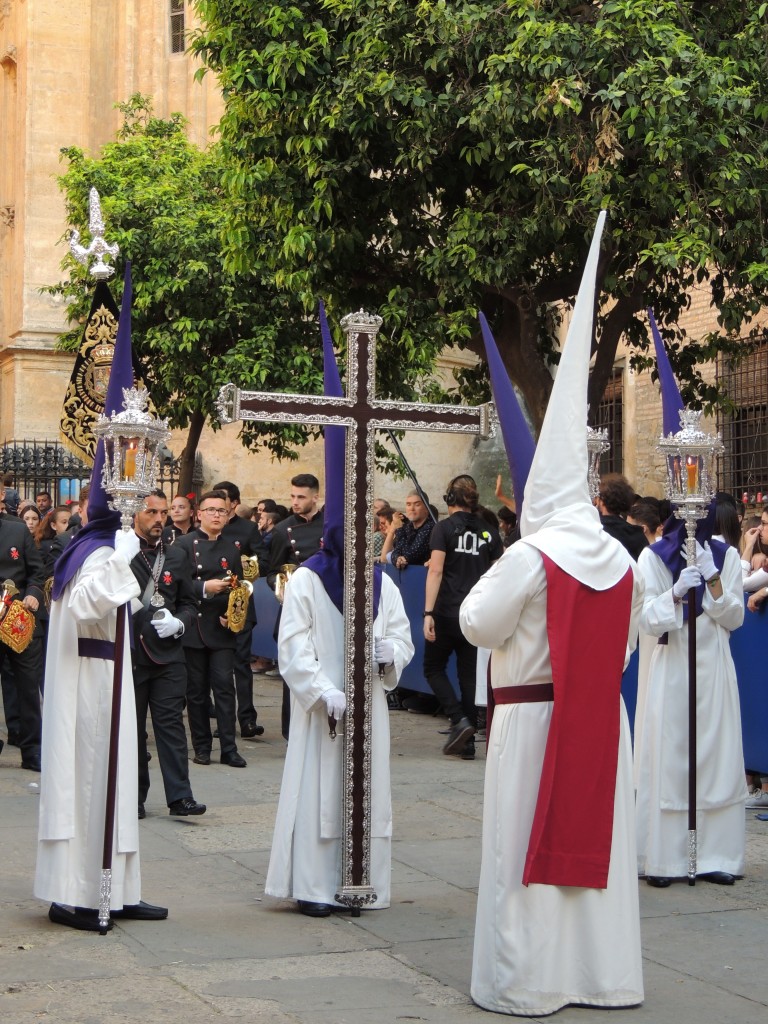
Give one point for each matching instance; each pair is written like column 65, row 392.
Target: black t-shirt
column 470, row 545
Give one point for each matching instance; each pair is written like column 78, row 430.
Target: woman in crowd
column 29, row 515
column 182, row 515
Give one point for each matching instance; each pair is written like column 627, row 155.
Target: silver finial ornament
column 597, row 445
column 99, row 247
column 132, row 442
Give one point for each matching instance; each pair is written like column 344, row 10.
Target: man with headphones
column 463, row 548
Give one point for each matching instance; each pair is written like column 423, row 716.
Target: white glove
column 689, row 577
column 166, row 624
column 705, row 563
column 384, row 651
column 127, row 544
column 336, row 702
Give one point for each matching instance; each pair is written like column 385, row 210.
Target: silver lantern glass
column 132, row 441
column 690, row 457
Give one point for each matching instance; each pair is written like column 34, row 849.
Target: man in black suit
column 247, row 537
column 209, row 645
column 169, row 609
column 22, row 563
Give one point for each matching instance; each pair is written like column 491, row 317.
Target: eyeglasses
column 214, row 511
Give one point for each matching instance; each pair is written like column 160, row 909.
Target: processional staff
column 362, row 414
column 690, row 462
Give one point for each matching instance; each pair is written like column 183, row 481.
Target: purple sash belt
column 92, row 647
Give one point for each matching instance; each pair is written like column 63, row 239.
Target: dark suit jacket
column 175, row 585
column 20, row 559
column 294, row 540
column 209, row 560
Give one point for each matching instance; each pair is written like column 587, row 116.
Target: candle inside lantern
column 692, row 469
column 129, row 464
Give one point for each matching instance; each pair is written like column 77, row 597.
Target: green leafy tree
column 433, row 158
column 195, row 324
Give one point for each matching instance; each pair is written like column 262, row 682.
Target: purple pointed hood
column 518, row 440
column 671, row 399
column 328, row 563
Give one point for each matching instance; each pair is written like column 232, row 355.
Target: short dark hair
column 43, row 494
column 215, row 493
column 506, row 515
column 616, row 494
column 157, row 493
column 306, row 480
column 269, row 504
column 232, row 490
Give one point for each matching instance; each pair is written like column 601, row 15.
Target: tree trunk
column 187, row 458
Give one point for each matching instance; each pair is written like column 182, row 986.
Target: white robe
column 76, row 724
column 305, row 862
column 541, row 947
column 661, row 753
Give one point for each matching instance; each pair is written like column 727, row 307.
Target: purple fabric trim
column 92, row 647
column 668, row 549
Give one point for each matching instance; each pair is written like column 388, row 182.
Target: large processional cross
column 362, row 414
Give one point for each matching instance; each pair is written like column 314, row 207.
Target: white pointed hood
column 558, row 516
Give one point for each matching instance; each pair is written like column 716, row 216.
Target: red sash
column 570, row 842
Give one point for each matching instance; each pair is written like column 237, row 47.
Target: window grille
column 177, row 26
column 610, row 414
column 743, row 468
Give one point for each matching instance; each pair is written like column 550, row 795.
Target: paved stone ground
column 227, row 951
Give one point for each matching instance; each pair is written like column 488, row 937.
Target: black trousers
column 162, row 689
column 10, row 700
column 450, row 639
column 246, row 712
column 210, row 670
column 26, row 668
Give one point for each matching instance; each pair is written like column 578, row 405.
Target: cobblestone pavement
column 227, row 951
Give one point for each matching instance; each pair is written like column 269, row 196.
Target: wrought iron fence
column 48, row 466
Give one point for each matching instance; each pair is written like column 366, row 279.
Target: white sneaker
column 758, row 801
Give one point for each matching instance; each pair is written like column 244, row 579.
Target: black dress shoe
column 315, row 909
column 250, row 729
column 234, row 760
column 201, row 759
column 32, row 764
column 140, row 912
column 718, row 877
column 188, row 805
column 460, row 735
column 142, row 812
column 82, row 918
column 658, row 881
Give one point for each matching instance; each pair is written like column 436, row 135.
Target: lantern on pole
column 690, row 462
column 132, row 442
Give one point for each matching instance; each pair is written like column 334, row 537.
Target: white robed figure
column 92, row 580
column 76, row 721
column 306, row 859
column 661, row 755
column 557, row 913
